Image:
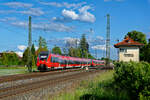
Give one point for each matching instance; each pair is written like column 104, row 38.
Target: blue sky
column 64, row 21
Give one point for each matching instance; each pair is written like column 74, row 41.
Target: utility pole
column 29, row 46
column 108, row 40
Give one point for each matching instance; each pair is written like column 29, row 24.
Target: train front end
column 42, row 61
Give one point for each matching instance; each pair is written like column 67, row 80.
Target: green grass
column 100, row 88
column 14, row 70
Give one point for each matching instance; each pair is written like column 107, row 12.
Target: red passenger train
column 48, row 61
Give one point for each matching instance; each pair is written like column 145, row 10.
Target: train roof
column 70, row 58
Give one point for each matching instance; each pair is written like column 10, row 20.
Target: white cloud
column 99, row 47
column 96, row 41
column 57, row 27
column 64, row 4
column 8, row 19
column 52, row 4
column 22, row 47
column 83, row 16
column 70, row 14
column 33, row 11
column 53, row 27
column 36, row 47
column 19, row 53
column 20, row 24
column 61, row 19
column 18, row 5
column 84, row 9
column 87, row 17
column 71, row 42
column 7, row 11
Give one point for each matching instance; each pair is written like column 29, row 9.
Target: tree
column 42, row 45
column 81, row 51
column 25, row 56
column 33, row 49
column 4, row 59
column 56, row 50
column 146, row 53
column 71, row 52
column 33, row 61
column 137, row 36
column 33, row 55
column 83, row 43
column 78, row 52
column 84, row 46
column 90, row 56
column 10, row 59
column 75, row 52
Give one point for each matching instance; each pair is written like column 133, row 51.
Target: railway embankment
column 128, row 81
column 91, row 89
column 39, row 85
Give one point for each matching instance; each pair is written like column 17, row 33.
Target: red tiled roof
column 128, row 42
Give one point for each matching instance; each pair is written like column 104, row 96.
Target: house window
column 123, row 50
column 128, row 55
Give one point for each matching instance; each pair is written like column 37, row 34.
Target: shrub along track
column 19, row 89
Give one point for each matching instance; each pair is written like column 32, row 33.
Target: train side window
column 69, row 62
column 78, row 62
column 54, row 59
column 72, row 62
column 61, row 61
column 64, row 61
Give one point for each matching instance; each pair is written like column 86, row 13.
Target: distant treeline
column 80, row 49
column 10, row 58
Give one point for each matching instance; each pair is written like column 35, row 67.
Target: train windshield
column 43, row 55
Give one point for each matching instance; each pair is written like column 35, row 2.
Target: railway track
column 32, row 75
column 15, row 90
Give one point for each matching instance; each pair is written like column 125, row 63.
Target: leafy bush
column 105, row 91
column 10, row 59
column 133, row 77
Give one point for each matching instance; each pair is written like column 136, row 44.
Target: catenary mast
column 29, row 47
column 108, row 38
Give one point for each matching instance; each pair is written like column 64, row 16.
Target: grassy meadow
column 14, row 70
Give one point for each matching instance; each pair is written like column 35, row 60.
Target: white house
column 128, row 50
